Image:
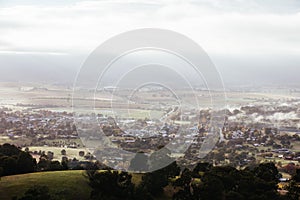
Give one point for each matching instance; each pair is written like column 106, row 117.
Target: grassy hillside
column 72, row 183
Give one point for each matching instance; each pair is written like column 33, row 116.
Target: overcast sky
column 250, row 41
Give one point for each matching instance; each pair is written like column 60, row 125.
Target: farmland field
column 20, row 96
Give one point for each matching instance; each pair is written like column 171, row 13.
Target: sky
column 251, row 42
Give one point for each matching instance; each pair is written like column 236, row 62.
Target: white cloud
column 231, row 27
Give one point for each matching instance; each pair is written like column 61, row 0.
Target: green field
column 71, row 183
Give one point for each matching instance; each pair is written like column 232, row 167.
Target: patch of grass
column 73, row 183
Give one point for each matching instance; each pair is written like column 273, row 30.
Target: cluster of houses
column 38, row 126
column 250, row 133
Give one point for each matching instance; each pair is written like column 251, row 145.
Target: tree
column 184, row 180
column 64, row 163
column 9, row 150
column 55, row 166
column 141, row 193
column 212, row 188
column 232, row 195
column 296, row 177
column 185, row 183
column 201, row 167
column 25, row 163
column 81, row 153
column 229, row 183
column 63, row 152
column 267, row 172
column 294, row 190
column 15, row 161
column 9, row 165
column 182, row 195
column 110, row 185
column 155, row 181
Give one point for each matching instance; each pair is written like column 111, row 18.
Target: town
column 263, row 130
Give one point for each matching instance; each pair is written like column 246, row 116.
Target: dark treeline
column 15, row 161
column 204, row 182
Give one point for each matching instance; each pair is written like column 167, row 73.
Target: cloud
column 220, row 26
column 252, row 6
column 253, row 35
column 32, row 53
